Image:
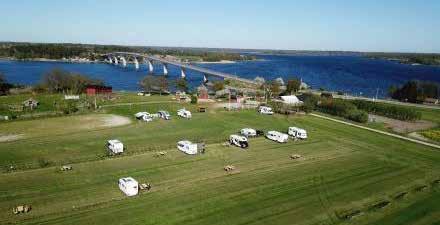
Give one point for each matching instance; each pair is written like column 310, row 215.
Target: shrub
column 387, row 110
column 344, row 109
column 193, row 99
column 432, row 134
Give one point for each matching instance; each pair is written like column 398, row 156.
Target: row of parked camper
column 241, row 140
column 147, row 117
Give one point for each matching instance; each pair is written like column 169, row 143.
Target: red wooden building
column 98, row 90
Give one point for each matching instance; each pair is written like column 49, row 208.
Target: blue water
column 351, row 74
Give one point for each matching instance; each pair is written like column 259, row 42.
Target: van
column 296, row 132
column 115, row 147
column 238, row 141
column 187, row 147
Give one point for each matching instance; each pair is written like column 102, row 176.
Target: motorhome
column 184, row 113
column 164, row 115
column 296, row 132
column 187, row 147
column 277, row 136
column 129, row 186
column 115, row 147
column 248, row 132
column 265, row 110
column 238, row 141
column 144, row 116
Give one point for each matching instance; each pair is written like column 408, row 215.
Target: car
column 164, row 115
column 265, row 110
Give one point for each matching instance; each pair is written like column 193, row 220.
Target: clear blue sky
column 358, row 25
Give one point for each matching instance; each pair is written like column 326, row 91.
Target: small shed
column 92, row 90
column 31, row 103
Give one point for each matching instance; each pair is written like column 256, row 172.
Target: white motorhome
column 248, row 132
column 187, row 147
column 184, row 113
column 239, row 141
column 115, row 146
column 296, row 132
column 265, row 110
column 277, row 136
column 164, row 115
column 129, row 186
column 144, row 116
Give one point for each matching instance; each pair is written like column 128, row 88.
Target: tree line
column 415, row 91
column 391, row 111
column 61, row 81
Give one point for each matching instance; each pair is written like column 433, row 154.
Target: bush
column 387, row 110
column 432, row 134
column 194, row 99
column 42, row 162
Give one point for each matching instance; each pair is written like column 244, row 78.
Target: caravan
column 129, row 186
column 296, row 132
column 248, row 132
column 184, row 113
column 115, row 147
column 239, row 141
column 144, row 116
column 277, row 136
column 187, row 147
column 265, row 110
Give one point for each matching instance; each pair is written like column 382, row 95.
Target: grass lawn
column 343, row 169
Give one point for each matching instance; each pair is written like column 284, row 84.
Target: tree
column 58, row 80
column 293, row 85
column 219, row 85
column 163, row 84
column 274, row 88
column 182, row 84
column 154, row 84
column 4, row 85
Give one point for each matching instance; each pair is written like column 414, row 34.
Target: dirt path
column 402, row 126
column 377, row 131
column 10, row 137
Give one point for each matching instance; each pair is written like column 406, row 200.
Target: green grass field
column 343, row 169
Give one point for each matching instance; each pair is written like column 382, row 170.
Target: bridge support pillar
column 182, row 72
column 116, row 60
column 165, row 69
column 124, row 62
column 150, row 66
column 136, row 63
column 110, row 60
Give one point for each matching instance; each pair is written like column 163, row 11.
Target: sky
column 349, row 25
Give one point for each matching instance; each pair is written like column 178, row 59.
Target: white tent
column 290, row 99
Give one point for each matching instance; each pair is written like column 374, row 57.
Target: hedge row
column 344, row 109
column 387, row 110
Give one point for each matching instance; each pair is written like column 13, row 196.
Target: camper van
column 265, row 110
column 144, row 116
column 184, row 113
column 248, row 132
column 238, row 141
column 115, row 147
column 164, row 115
column 277, row 136
column 296, row 132
column 129, row 186
column 187, row 147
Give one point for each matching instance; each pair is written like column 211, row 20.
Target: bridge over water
column 121, row 58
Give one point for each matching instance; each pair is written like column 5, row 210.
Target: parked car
column 164, row 115
column 239, row 141
column 296, row 132
column 265, row 110
column 277, row 136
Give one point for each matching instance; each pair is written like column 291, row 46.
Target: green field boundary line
column 136, row 103
column 378, row 131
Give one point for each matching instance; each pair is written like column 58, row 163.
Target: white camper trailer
column 265, row 110
column 187, row 147
column 296, row 132
column 248, row 132
column 144, row 116
column 184, row 113
column 277, row 136
column 164, row 115
column 239, row 141
column 129, row 186
column 115, row 147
